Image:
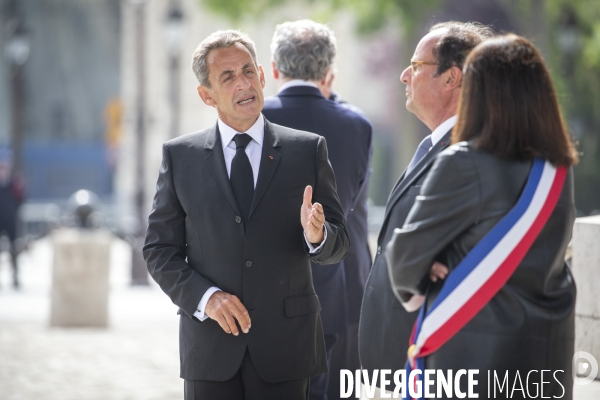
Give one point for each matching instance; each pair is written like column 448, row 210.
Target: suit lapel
column 269, row 160
column 216, row 164
column 406, row 180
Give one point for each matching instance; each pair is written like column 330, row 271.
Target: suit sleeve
column 337, row 244
column 448, row 204
column 165, row 245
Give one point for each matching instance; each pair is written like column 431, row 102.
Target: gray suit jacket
column 348, row 137
column 385, row 326
column 196, row 240
column 529, row 323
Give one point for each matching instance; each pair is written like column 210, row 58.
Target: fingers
column 230, row 323
column 314, row 226
column 240, row 313
column 438, row 271
column 307, row 200
column 226, row 309
column 317, row 217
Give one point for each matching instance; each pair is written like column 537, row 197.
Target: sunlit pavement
column 136, row 357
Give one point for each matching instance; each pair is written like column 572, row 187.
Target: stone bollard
column 80, row 277
column 586, row 269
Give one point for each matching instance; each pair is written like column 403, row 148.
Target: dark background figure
column 357, row 266
column 12, row 194
column 508, row 114
column 433, row 81
column 303, row 54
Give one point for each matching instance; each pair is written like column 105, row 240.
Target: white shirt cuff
column 415, row 302
column 312, row 249
column 202, row 305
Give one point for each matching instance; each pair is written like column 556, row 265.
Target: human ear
column 204, row 94
column 453, row 78
column 261, row 75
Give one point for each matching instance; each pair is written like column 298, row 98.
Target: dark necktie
column 241, row 177
column 423, row 149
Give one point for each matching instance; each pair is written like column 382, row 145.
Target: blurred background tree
column 566, row 31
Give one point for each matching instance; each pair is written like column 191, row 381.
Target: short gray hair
column 218, row 40
column 303, row 49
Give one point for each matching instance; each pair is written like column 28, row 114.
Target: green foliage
column 575, row 35
column 371, row 14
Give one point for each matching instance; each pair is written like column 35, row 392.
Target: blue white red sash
column 488, row 266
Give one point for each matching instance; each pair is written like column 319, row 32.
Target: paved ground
column 135, row 358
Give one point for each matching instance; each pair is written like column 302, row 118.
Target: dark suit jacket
column 195, row 240
column 385, row 326
column 349, row 138
column 529, row 323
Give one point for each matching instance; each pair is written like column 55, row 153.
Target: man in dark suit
column 432, row 89
column 357, row 266
column 302, row 56
column 226, row 244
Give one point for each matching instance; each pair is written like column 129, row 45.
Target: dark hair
column 454, row 46
column 508, row 105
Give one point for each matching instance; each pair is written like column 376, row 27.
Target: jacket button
column 248, row 264
column 238, row 219
column 378, row 249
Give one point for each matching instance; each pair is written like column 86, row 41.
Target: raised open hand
column 312, row 218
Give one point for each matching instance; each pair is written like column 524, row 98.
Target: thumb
column 307, row 201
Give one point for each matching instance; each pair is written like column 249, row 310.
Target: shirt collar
column 441, row 130
column 296, row 82
column 256, row 131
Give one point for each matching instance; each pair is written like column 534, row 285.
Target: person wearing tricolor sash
column 485, row 240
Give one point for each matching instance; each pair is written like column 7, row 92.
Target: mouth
column 246, row 100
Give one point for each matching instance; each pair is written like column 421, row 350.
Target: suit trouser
column 344, row 356
column 246, row 384
column 319, row 383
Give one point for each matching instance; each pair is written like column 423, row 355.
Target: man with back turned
column 303, row 53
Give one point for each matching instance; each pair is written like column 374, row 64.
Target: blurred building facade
column 72, row 72
column 82, row 87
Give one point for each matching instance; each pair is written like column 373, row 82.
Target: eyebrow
column 230, row 71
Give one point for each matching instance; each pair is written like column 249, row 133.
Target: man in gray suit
column 433, row 82
column 240, row 210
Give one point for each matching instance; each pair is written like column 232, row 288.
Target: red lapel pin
column 271, row 157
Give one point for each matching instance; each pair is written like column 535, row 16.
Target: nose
column 405, row 76
column 244, row 82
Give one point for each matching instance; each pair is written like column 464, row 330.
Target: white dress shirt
column 439, row 132
column 417, row 300
column 253, row 151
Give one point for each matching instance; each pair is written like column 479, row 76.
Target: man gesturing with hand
column 312, row 218
column 226, row 309
column 225, row 244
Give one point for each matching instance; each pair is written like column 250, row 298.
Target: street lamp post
column 139, row 272
column 17, row 51
column 173, row 37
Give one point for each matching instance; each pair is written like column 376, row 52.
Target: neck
column 239, row 126
column 283, row 80
column 447, row 110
